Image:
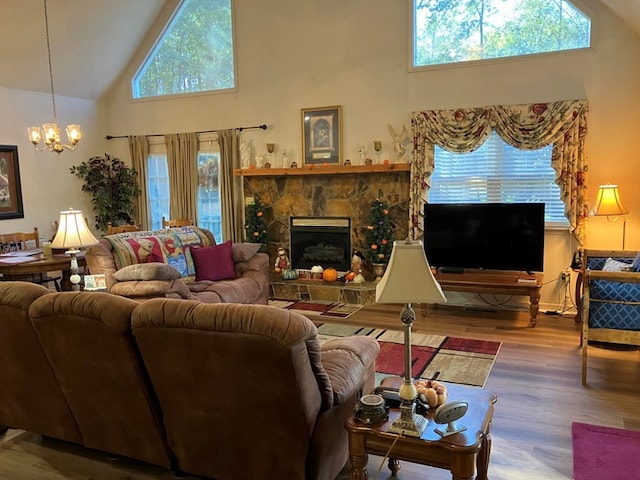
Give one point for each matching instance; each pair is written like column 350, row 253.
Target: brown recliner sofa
column 30, row 396
column 133, row 262
column 88, row 341
column 248, row 392
column 224, row 390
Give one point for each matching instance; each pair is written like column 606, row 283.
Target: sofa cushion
column 240, row 290
column 214, row 263
column 171, row 245
column 147, row 271
column 243, row 252
column 151, row 288
column 611, row 265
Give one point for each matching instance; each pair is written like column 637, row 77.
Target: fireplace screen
column 324, row 241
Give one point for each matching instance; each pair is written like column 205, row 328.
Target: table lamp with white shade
column 407, row 280
column 73, row 234
column 609, row 204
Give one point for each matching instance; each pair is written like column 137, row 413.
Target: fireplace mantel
column 321, row 170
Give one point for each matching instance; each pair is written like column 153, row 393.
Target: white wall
column 47, row 185
column 294, row 54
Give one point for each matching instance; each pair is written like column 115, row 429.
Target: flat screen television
column 493, row 236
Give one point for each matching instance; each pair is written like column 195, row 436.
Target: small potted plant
column 112, row 186
column 256, row 224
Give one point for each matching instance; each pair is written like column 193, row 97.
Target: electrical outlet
column 565, row 276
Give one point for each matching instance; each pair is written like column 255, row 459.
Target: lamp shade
column 408, row 277
column 73, row 231
column 609, row 202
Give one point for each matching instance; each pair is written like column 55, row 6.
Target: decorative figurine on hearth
column 357, row 266
column 357, row 260
column 282, row 261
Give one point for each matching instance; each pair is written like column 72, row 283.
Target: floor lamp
column 610, row 205
column 73, row 233
column 407, row 280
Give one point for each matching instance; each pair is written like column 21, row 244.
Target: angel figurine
column 245, row 154
column 401, row 141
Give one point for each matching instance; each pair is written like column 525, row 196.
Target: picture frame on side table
column 322, row 135
column 10, row 188
column 95, row 283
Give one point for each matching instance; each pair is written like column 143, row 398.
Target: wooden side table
column 462, row 453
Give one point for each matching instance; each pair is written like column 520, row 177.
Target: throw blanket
column 169, row 246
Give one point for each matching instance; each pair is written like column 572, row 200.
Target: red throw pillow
column 214, row 262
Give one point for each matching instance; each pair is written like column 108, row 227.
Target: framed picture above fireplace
column 322, row 135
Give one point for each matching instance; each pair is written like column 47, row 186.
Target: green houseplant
column 112, row 186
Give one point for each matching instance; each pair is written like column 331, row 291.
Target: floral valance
column 527, row 126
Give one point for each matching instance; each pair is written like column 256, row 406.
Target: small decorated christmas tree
column 380, row 235
column 256, row 226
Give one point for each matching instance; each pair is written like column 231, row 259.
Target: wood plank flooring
column 536, row 377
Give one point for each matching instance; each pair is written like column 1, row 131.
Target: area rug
column 450, row 359
column 605, row 452
column 316, row 308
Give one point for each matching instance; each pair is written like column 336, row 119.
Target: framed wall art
column 322, row 135
column 10, row 189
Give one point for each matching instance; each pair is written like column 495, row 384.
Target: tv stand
column 451, row 269
column 497, row 282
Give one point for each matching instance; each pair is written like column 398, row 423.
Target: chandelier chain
column 53, row 97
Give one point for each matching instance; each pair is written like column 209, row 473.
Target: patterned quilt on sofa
column 169, row 246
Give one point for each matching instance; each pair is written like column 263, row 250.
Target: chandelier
column 50, row 131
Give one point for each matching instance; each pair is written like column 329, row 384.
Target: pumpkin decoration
column 359, row 278
column 330, row 274
column 289, row 274
column 431, row 392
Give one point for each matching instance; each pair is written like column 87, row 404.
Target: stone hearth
column 344, row 195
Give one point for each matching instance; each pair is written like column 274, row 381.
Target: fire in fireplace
column 324, row 241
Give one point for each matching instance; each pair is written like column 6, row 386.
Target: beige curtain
column 139, row 151
column 231, row 193
column 182, row 160
column 530, row 126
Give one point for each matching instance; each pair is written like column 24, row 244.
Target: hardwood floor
column 536, row 377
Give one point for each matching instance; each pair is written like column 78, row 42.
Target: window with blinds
column 498, row 173
column 208, row 201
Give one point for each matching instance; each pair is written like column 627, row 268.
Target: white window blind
column 498, row 173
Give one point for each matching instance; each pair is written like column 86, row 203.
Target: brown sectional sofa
column 227, row 391
column 132, row 262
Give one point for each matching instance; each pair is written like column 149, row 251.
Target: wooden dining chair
column 122, row 228
column 177, row 222
column 21, row 241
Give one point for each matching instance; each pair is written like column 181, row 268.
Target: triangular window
column 450, row 31
column 195, row 53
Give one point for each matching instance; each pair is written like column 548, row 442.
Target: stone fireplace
column 309, row 193
column 324, row 241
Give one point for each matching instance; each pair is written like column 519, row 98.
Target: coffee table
column 462, row 453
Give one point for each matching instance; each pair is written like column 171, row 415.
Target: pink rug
column 605, row 453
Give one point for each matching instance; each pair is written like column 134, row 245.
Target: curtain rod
column 261, row 127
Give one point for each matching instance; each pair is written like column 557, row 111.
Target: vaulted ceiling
column 92, row 41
